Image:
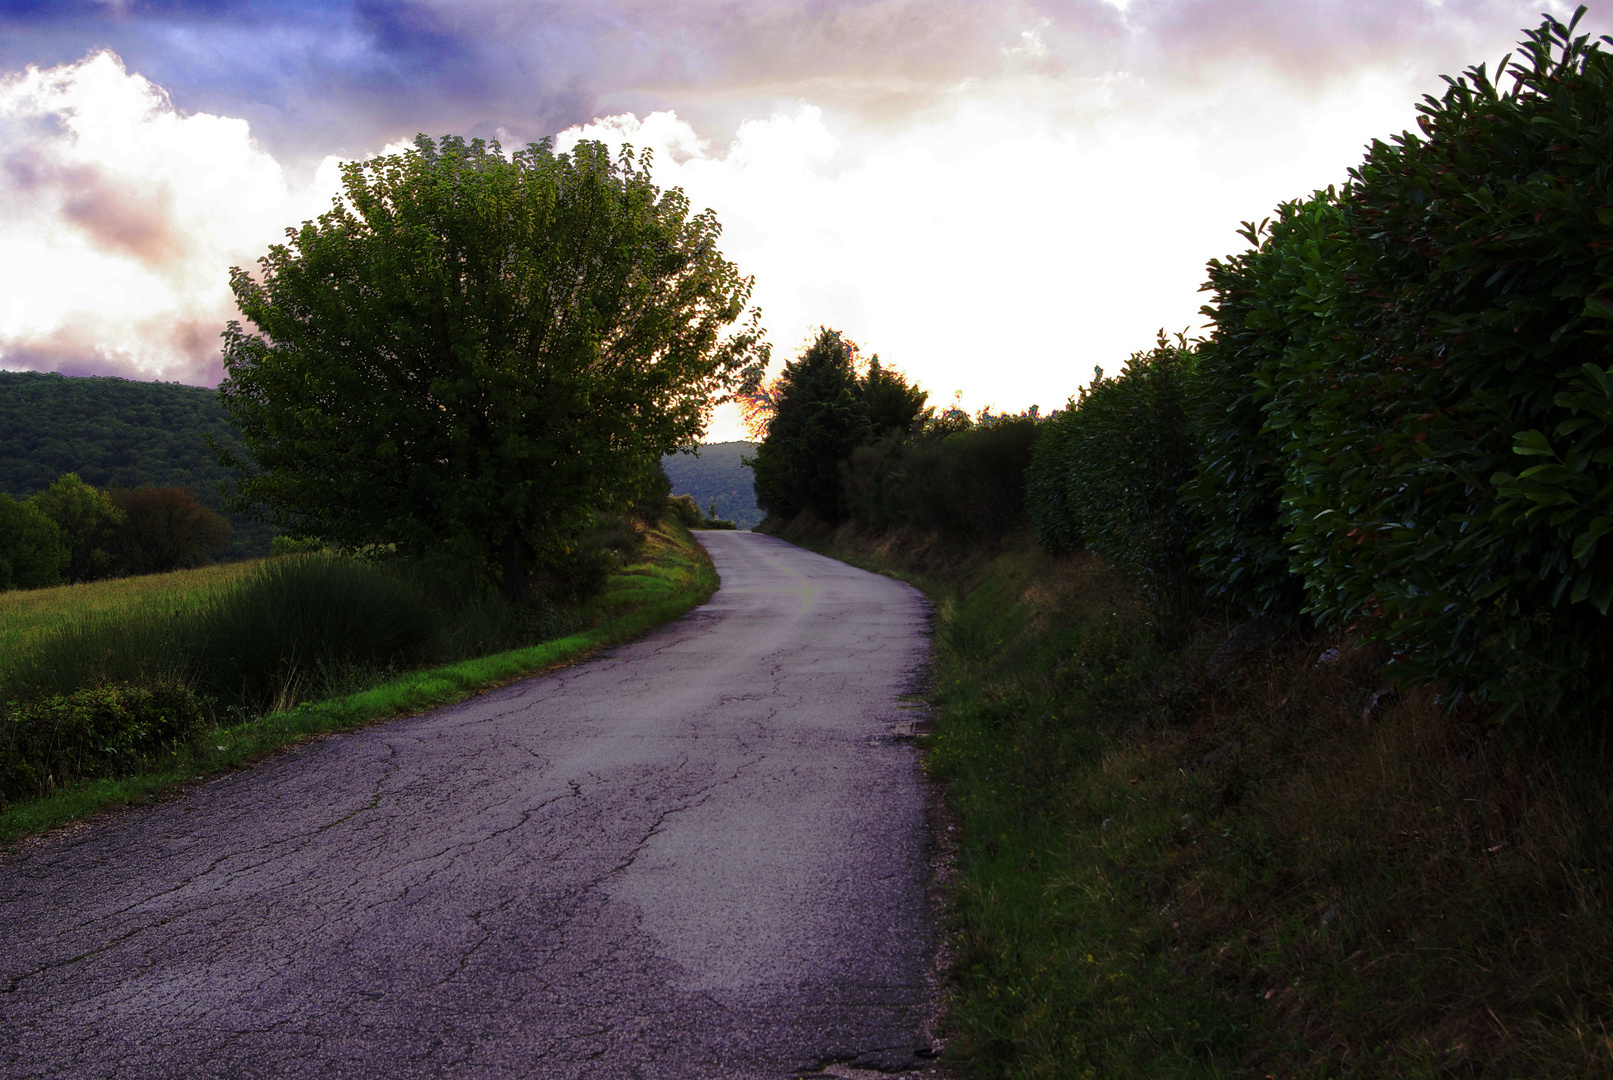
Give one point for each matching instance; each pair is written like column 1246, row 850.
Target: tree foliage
column 469, row 351
column 165, row 529
column 820, row 409
column 951, row 474
column 89, row 522
column 32, row 554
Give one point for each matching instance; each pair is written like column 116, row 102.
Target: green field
column 28, row 614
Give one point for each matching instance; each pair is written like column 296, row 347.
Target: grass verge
column 671, row 576
column 1273, row 865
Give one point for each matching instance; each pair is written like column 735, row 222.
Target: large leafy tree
column 469, row 351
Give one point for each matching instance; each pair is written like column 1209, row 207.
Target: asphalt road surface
column 701, row 855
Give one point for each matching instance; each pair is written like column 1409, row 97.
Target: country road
column 701, row 855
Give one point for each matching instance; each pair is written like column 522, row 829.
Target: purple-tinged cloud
column 119, row 219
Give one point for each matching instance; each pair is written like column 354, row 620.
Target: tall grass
column 291, row 628
column 27, row 615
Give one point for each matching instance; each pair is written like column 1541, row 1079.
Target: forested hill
column 717, row 476
column 116, row 433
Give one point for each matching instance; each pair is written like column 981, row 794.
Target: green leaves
column 819, row 417
column 470, row 351
column 1404, row 405
column 1105, row 472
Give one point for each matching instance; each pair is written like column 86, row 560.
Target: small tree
column 89, row 523
column 470, row 351
column 814, row 415
column 32, row 554
column 166, row 529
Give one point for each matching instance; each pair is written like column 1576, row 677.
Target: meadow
column 28, row 615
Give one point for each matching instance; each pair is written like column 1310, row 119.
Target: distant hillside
column 716, row 475
column 114, row 432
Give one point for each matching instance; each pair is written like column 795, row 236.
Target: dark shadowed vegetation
column 823, row 406
column 72, row 532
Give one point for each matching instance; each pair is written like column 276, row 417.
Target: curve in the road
column 702, row 854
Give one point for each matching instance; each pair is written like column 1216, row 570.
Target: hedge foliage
column 956, row 475
column 1265, row 308
column 1402, row 422
column 104, row 731
column 1105, row 472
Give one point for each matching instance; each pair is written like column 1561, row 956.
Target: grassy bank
column 26, row 615
column 1193, row 860
column 669, row 576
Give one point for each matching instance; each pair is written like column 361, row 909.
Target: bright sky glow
column 995, row 198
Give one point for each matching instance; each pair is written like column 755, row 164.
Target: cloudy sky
column 994, row 195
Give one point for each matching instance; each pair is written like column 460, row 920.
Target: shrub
column 1448, row 424
column 1104, row 475
column 686, row 512
column 1265, row 316
column 32, row 554
column 103, row 731
column 287, row 544
column 966, row 479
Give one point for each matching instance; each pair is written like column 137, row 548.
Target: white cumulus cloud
column 119, row 219
column 1008, row 243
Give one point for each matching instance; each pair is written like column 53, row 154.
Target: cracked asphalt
column 700, row 855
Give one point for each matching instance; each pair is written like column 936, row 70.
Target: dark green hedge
column 1402, row 420
column 104, row 731
column 1104, row 475
column 1405, row 395
column 965, row 478
column 1266, row 314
